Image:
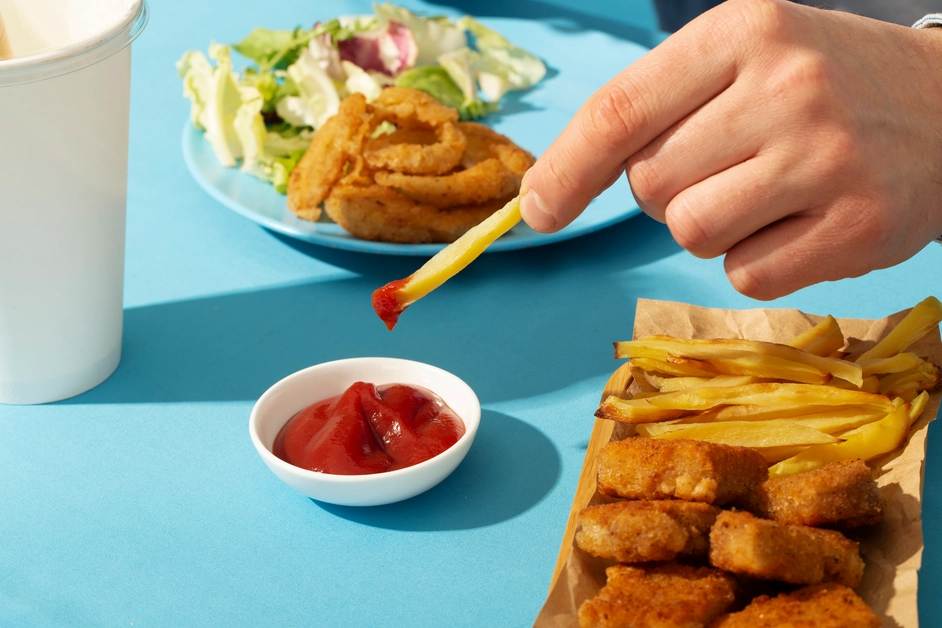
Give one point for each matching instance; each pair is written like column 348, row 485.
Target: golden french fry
column 674, row 405
column 917, row 406
column 825, row 424
column 865, row 442
column 893, row 364
column 676, row 366
column 908, row 384
column 636, row 411
column 751, row 434
column 843, row 417
column 764, row 413
column 824, row 339
column 768, row 394
column 926, row 315
column 674, row 384
column 744, row 357
column 777, row 454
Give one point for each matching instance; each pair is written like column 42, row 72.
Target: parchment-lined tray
column 892, row 550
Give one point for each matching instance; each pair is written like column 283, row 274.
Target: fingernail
column 535, row 213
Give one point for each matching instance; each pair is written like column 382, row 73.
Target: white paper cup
column 63, row 184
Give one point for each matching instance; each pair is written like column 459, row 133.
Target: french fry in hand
column 926, row 315
column 744, row 357
column 393, row 298
column 865, row 442
column 823, row 339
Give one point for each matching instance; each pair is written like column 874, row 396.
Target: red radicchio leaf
column 389, row 51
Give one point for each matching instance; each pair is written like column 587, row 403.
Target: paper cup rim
column 81, row 54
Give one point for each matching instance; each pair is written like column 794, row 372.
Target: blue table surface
column 143, row 502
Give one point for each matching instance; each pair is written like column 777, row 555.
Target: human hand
column 805, row 145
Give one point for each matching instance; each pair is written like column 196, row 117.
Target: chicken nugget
column 747, row 545
column 659, row 596
column 841, row 494
column 640, row 531
column 819, row 606
column 647, row 468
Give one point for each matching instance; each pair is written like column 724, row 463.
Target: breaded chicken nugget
column 744, row 544
column 647, row 468
column 819, row 606
column 841, row 494
column 640, row 531
column 662, row 596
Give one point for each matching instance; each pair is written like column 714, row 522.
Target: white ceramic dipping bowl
column 316, row 383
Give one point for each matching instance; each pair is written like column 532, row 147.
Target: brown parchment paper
column 892, row 550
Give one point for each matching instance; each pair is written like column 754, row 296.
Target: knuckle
column 807, row 79
column 755, row 20
column 646, row 181
column 686, row 225
column 618, row 113
column 744, row 279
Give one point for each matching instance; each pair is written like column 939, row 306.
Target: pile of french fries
column 802, row 405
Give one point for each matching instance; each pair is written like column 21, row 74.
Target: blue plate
column 532, row 119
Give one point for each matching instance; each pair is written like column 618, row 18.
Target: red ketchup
column 386, row 302
column 369, row 429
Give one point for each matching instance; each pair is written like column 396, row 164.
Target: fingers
column 788, row 256
column 710, row 217
column 635, row 107
column 721, row 134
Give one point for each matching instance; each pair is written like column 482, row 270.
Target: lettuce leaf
column 272, row 50
column 434, row 35
column 502, row 60
column 435, row 81
column 215, row 99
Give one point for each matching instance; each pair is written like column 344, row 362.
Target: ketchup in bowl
column 369, row 429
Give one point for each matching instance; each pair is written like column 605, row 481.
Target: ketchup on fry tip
column 386, row 303
column 369, row 429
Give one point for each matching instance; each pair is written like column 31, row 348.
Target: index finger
column 668, row 83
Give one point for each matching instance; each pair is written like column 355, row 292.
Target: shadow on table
column 562, row 19
column 512, row 325
column 511, row 466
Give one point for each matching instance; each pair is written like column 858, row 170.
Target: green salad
column 262, row 118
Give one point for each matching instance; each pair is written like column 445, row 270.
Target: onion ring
column 481, row 182
column 417, row 158
column 379, row 213
column 406, row 150
column 333, row 153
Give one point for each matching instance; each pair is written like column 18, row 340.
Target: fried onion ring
column 431, row 180
column 494, row 167
column 334, row 154
column 391, row 152
column 407, row 150
column 379, row 213
column 479, row 183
